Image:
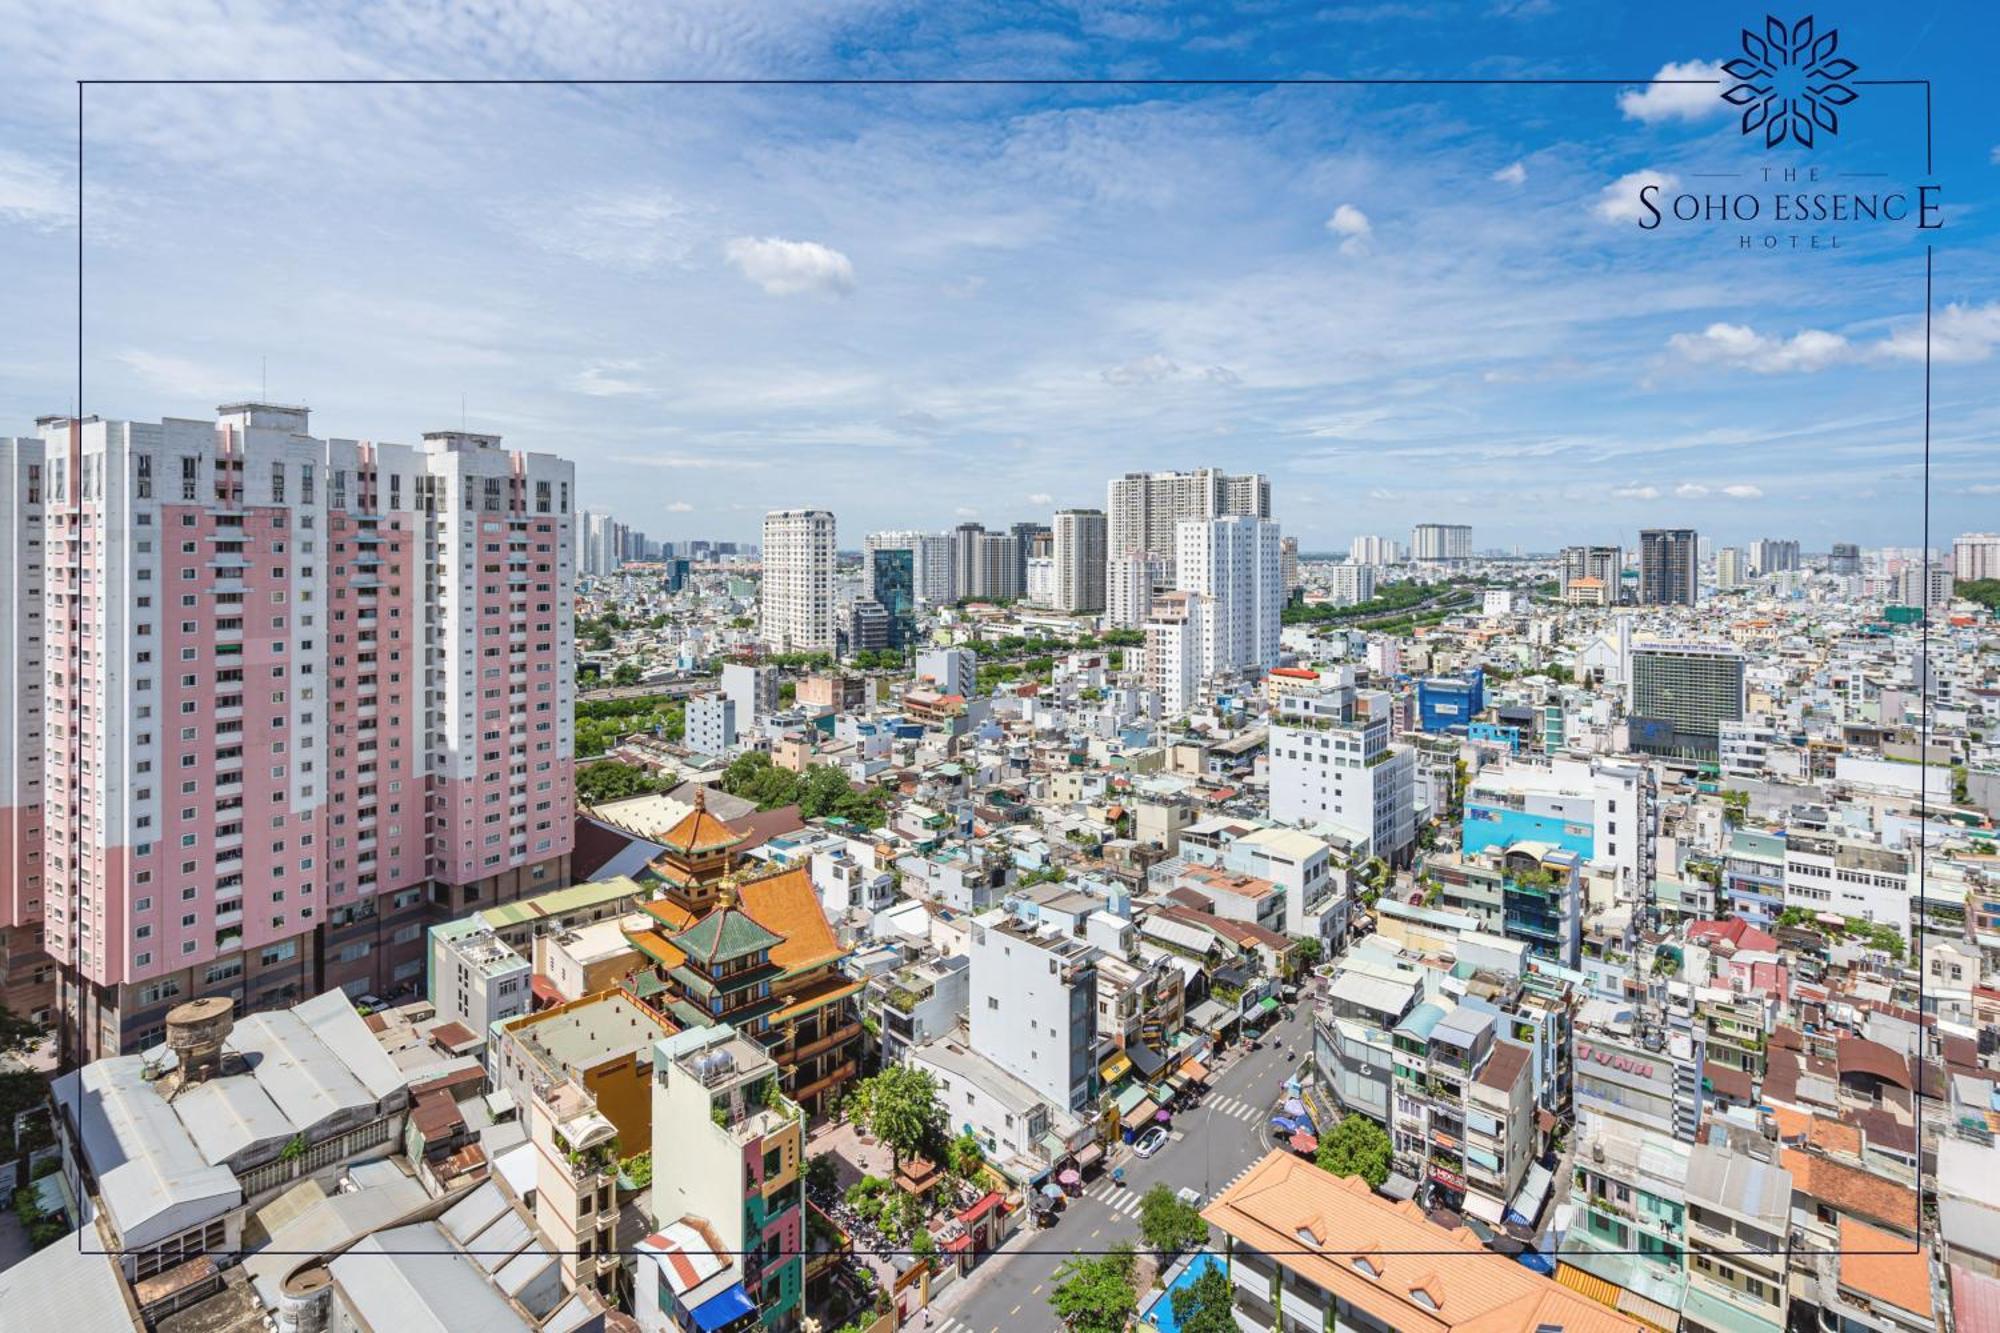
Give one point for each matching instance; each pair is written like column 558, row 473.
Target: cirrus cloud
column 788, row 268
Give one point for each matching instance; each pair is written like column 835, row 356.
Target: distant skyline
column 918, row 306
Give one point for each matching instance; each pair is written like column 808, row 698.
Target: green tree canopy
column 901, row 1108
column 610, row 780
column 1205, row 1304
column 1357, row 1146
column 1168, row 1225
column 1095, row 1294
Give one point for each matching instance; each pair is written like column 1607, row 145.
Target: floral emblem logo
column 1789, row 82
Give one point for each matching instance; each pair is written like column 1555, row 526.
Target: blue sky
column 920, row 304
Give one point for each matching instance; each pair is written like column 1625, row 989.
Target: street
column 1211, row 1146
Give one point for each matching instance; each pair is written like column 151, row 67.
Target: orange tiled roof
column 1900, row 1277
column 786, row 904
column 699, row 831
column 1849, row 1189
column 1318, row 1225
column 672, row 917
column 1834, row 1137
column 656, row 947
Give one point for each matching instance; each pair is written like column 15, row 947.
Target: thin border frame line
column 1924, row 716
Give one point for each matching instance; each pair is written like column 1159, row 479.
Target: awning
column 1588, row 1284
column 1268, row 1005
column 1140, row 1115
column 1485, row 1208
column 1090, row 1154
column 1533, row 1194
column 1195, row 1070
column 1117, row 1067
column 724, row 1310
column 1145, row 1059
column 1210, row 1016
column 1399, row 1186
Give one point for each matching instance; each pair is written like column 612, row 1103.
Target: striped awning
column 1589, row 1284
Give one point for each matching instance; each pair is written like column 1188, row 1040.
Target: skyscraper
column 931, row 553
column 1845, row 558
column 1032, row 539
column 1975, row 555
column 1668, row 567
column 1770, row 555
column 965, row 560
column 329, row 691
column 1143, row 508
column 997, row 569
column 1234, row 563
column 1679, row 696
column 892, row 582
column 1729, row 567
column 1288, row 565
column 1441, row 543
column 795, row 603
column 1367, row 550
column 1129, row 584
column 1603, row 563
column 1080, row 559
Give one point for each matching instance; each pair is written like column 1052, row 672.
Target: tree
column 967, row 1154
column 625, row 673
column 1205, row 1304
column 613, row 781
column 902, row 1109
column 1095, row 1295
column 1168, row 1225
column 1357, row 1146
column 1310, row 951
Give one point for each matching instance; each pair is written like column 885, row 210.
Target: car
column 371, row 1002
column 1151, row 1141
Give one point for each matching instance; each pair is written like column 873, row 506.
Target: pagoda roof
column 700, row 831
column 724, row 934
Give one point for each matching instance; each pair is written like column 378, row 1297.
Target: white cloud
column 1148, row 369
column 640, row 229
column 1352, row 225
column 1677, row 101
column 1512, row 174
column 1619, row 201
column 1690, row 490
column 1741, row 346
column 608, row 381
column 1743, row 490
column 1959, row 334
column 966, row 511
column 34, row 192
column 786, row 268
column 1636, row 492
column 1041, row 498
column 680, row 507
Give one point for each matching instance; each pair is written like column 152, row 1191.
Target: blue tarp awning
column 724, row 1310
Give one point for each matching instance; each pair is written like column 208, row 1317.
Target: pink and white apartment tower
column 276, row 704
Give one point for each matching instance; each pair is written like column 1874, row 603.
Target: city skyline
column 1404, row 305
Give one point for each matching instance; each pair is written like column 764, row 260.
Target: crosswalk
column 944, row 1324
column 1236, row 1107
column 1122, row 1200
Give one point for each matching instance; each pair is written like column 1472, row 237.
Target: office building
column 933, row 568
column 679, row 570
column 1368, row 550
column 1729, row 568
column 328, row 597
column 795, row 600
column 1441, row 543
column 1233, row 562
column 1975, row 555
column 711, row 724
column 1603, row 565
column 1031, row 540
column 1845, row 558
column 1144, row 509
column 1447, row 702
column 1350, row 584
column 1669, row 567
column 1130, row 583
column 1034, row 1008
column 1600, row 810
column 1678, row 697
column 889, row 579
column 1332, row 764
column 1080, row 559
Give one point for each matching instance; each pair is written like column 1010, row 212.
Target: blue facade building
column 895, row 588
column 1445, row 703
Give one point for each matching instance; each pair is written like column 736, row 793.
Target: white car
column 1151, row 1141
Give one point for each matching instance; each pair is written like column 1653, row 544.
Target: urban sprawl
column 429, row 904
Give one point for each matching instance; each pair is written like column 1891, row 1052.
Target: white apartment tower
column 1441, row 543
column 1129, row 584
column 1143, row 509
column 1234, row 563
column 302, row 697
column 795, row 603
column 1080, row 551
column 1975, row 555
column 930, row 557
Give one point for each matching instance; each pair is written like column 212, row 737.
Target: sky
column 919, row 304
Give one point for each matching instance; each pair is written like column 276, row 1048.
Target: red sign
column 1614, row 1059
column 1447, row 1178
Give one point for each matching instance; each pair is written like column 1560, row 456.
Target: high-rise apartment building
column 1031, row 539
column 1729, row 568
column 1605, row 564
column 603, row 542
column 1441, row 543
column 1770, row 555
column 1367, row 550
column 1845, row 558
column 795, row 604
column 997, row 570
column 1080, row 551
column 1130, row 582
column 1350, row 584
column 931, row 555
column 1288, row 566
column 1679, row 696
column 1332, row 763
column 1975, row 555
column 27, row 972
column 1144, row 509
column 1928, row 585
column 965, row 560
column 1176, row 630
column 1669, row 567
column 303, row 697
column 1233, row 562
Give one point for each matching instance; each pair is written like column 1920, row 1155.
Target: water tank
column 196, row 1032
